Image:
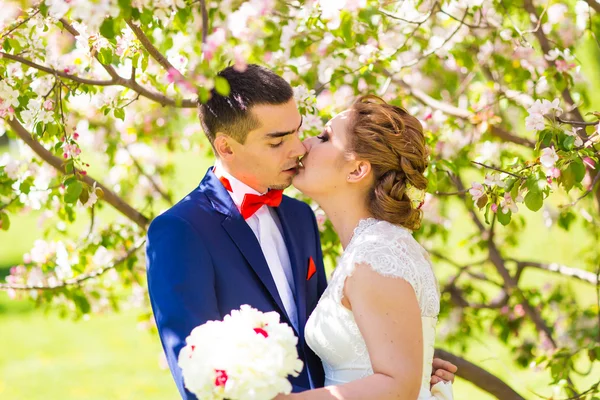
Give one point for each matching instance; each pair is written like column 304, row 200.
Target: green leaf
column 69, row 167
column 73, row 192
column 504, row 219
column 126, row 8
column 346, row 27
column 26, row 185
column 569, row 143
column 144, row 63
column 203, row 95
column 565, row 219
column 107, row 29
column 578, row 169
column 105, row 56
column 222, row 86
column 534, row 200
column 4, row 221
column 52, row 130
column 120, row 113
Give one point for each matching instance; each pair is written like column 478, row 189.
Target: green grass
column 106, row 357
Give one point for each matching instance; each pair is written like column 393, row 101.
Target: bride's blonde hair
column 393, row 142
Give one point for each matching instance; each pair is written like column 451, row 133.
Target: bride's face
column 326, row 165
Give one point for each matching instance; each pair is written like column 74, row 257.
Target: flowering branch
column 456, row 111
column 79, row 279
column 497, row 169
column 545, row 44
column 17, row 26
column 578, row 123
column 55, row 72
column 133, row 85
column 109, row 196
column 153, row 51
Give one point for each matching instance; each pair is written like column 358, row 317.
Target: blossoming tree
column 111, row 87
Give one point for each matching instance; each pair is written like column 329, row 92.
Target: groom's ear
column 361, row 171
column 222, row 146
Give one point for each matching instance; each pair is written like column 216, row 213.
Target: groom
column 236, row 239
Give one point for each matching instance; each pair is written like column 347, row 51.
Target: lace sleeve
column 392, row 252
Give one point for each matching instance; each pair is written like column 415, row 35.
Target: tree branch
column 457, row 112
column 546, row 47
column 141, row 170
column 204, row 20
column 109, row 196
column 594, row 4
column 153, row 51
column 133, row 85
column 564, row 270
column 80, row 278
column 479, row 377
column 19, row 24
column 578, row 123
column 48, row 70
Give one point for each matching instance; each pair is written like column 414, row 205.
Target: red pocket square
column 311, row 268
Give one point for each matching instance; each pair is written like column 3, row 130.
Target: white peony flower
column 248, row 355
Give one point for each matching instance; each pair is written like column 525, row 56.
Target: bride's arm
column 388, row 316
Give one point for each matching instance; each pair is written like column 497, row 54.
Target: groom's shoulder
column 194, row 210
column 298, row 207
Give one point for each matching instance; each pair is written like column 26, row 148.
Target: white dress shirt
column 267, row 228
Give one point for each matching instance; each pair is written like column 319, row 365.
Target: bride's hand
column 442, row 371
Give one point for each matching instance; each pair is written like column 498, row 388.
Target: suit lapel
column 299, row 265
column 241, row 234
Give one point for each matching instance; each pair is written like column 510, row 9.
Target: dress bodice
column 331, row 331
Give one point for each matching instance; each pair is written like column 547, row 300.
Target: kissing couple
column 369, row 332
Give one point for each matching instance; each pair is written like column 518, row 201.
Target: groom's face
column 269, row 157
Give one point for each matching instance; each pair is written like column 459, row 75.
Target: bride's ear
column 361, row 171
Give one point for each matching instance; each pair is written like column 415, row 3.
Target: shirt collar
column 239, row 188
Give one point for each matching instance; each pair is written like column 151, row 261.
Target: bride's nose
column 308, row 143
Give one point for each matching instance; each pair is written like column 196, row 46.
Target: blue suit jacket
column 204, row 261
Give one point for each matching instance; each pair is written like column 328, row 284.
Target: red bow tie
column 252, row 202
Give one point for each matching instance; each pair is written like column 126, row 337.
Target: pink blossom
column 49, row 105
column 563, row 66
column 508, row 204
column 240, row 63
column 71, row 150
column 173, row 75
column 519, row 311
column 589, row 162
column 494, row 207
column 76, row 136
column 213, row 42
column 477, row 191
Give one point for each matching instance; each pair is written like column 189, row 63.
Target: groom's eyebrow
column 275, row 135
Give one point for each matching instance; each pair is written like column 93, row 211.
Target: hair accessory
column 416, row 196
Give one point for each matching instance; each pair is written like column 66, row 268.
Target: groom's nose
column 298, row 150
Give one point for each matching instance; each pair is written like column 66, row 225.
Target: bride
column 374, row 327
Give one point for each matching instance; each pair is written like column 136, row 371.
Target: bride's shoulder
column 372, row 234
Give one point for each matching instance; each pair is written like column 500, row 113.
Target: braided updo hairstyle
column 393, row 142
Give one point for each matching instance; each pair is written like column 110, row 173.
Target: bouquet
column 248, row 355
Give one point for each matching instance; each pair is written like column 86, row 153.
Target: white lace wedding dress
column 331, row 331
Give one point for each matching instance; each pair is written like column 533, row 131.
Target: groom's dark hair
column 231, row 114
